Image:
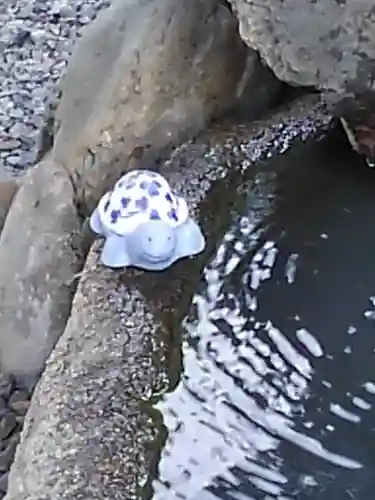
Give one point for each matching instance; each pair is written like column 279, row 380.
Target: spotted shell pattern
column 140, row 196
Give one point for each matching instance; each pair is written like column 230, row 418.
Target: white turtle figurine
column 144, row 224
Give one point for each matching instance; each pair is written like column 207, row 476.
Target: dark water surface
column 276, row 400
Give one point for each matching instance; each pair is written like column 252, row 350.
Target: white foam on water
column 361, row 403
column 339, row 411
column 291, row 268
column 370, row 387
column 310, row 342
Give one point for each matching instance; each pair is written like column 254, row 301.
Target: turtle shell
column 140, row 196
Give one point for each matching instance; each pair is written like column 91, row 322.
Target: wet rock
column 148, row 75
column 326, row 44
column 40, row 244
column 114, row 351
column 358, row 118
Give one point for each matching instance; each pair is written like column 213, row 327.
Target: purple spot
column 131, row 184
column 142, row 203
column 125, row 202
column 144, row 184
column 153, row 189
column 115, row 214
column 172, row 214
column 168, row 197
column 154, row 215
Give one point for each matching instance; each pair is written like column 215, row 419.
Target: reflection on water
column 277, row 396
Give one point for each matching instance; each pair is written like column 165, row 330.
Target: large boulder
column 144, row 77
column 327, row 44
column 39, row 253
column 91, row 431
column 320, row 43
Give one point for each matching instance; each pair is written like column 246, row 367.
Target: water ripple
column 256, row 409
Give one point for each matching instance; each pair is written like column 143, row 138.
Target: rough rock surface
column 8, row 189
column 327, row 44
column 89, row 430
column 123, row 93
column 40, row 245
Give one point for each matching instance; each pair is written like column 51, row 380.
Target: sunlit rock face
column 277, row 392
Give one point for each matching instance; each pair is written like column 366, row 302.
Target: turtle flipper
column 95, row 223
column 114, row 252
column 190, row 239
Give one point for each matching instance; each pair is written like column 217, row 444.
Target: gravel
column 14, row 402
column 36, row 39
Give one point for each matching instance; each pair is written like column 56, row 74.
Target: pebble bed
column 36, row 39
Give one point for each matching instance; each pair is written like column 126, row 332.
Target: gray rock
column 113, row 352
column 13, row 160
column 9, row 144
column 320, row 43
column 327, row 44
column 8, row 189
column 41, row 245
column 146, row 75
column 19, row 401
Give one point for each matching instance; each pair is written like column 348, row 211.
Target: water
column 276, row 398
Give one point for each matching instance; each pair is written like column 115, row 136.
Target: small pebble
column 19, row 401
column 9, row 144
column 6, row 386
column 7, row 424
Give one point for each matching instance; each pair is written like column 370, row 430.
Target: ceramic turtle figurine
column 145, row 224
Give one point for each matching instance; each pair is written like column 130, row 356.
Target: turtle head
column 153, row 245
